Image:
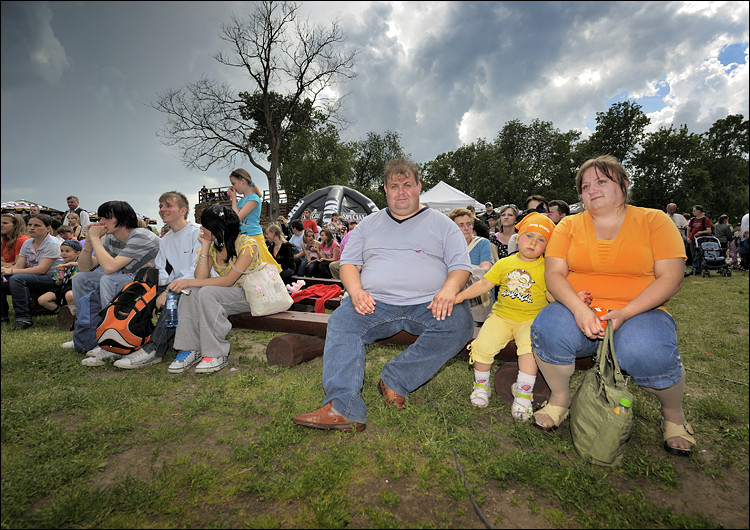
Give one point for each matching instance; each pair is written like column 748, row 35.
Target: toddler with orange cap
column 522, row 294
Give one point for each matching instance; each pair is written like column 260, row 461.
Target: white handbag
column 265, row 291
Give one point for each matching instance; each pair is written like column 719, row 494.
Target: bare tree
column 289, row 64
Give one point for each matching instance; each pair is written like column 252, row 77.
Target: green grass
column 102, row 447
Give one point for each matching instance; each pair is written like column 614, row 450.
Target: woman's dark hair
column 43, row 217
column 121, row 211
column 224, row 225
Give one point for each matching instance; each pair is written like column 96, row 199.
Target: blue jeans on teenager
column 349, row 332
column 645, row 345
column 21, row 286
column 302, row 267
column 108, row 284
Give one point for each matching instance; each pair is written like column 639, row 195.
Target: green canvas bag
column 600, row 425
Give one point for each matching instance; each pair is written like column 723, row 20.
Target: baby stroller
column 712, row 256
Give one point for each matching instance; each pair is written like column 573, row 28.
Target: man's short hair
column 562, row 206
column 699, row 208
column 177, row 197
column 297, row 225
column 400, row 166
column 72, row 197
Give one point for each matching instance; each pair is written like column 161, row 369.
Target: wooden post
column 293, row 348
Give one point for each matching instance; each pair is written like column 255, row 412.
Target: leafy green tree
column 289, row 65
column 316, row 159
column 727, row 148
column 668, row 166
column 618, row 133
column 371, row 156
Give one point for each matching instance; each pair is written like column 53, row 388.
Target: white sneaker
column 519, row 410
column 480, row 394
column 100, row 358
column 138, row 359
column 68, row 345
column 185, row 359
column 211, row 364
column 94, row 352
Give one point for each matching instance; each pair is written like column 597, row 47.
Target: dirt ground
column 724, row 502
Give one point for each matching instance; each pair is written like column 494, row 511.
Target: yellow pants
column 265, row 255
column 495, row 334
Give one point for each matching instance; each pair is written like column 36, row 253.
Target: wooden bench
column 304, row 340
column 290, row 351
column 309, row 280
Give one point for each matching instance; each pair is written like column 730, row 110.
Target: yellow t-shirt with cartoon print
column 244, row 243
column 521, row 288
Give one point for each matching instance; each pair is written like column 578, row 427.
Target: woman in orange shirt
column 632, row 260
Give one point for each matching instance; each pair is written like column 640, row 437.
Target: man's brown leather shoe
column 326, row 418
column 391, row 398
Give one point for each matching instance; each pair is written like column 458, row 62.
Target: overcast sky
column 78, row 77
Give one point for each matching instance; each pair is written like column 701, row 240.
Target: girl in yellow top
column 522, row 294
column 632, row 259
column 203, row 321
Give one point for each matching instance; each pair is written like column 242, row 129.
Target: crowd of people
column 541, row 277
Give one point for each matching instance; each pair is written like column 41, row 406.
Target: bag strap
column 474, row 242
column 231, row 264
column 605, row 352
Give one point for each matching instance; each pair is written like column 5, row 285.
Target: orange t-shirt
column 615, row 271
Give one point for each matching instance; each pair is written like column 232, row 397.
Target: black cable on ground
column 458, row 466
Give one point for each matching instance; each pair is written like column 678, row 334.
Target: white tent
column 445, row 197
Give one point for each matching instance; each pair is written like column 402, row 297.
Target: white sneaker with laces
column 211, row 364
column 138, row 359
column 94, row 352
column 184, row 360
column 100, row 358
column 480, row 394
column 68, row 345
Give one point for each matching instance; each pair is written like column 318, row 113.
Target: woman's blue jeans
column 645, row 345
column 21, row 286
column 349, row 332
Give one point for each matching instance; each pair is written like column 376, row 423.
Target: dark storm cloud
column 30, row 51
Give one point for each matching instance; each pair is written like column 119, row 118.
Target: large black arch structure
column 347, row 202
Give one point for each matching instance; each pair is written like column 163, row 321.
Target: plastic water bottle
column 623, row 407
column 171, row 308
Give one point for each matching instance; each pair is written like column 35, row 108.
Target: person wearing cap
column 488, row 212
column 632, row 260
column 248, row 210
column 62, row 293
column 521, row 295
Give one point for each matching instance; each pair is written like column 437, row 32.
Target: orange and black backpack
column 128, row 323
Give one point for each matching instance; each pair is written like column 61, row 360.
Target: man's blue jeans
column 645, row 345
column 109, row 284
column 696, row 256
column 349, row 332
